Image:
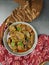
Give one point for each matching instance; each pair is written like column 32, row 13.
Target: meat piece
column 20, row 35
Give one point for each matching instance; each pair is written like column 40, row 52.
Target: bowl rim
column 18, row 53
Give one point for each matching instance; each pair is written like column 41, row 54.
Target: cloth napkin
column 40, row 54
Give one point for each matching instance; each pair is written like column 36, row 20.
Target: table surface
column 41, row 24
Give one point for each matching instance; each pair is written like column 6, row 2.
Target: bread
column 30, row 10
column 36, row 7
column 22, row 13
column 25, row 13
column 22, row 2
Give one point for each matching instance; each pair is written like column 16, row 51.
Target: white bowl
column 18, row 53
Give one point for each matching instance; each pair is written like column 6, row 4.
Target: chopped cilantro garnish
column 20, row 43
column 18, row 28
column 12, row 43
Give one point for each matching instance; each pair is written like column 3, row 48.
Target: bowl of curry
column 20, row 38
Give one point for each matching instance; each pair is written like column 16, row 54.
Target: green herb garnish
column 12, row 43
column 20, row 43
column 18, row 28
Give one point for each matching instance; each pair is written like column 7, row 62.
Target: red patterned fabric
column 40, row 54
